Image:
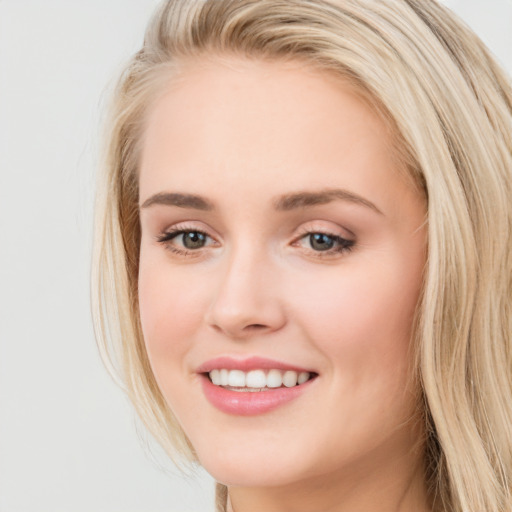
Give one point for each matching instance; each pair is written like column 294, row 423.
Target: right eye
column 184, row 241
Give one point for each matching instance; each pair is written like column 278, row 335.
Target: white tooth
column 303, row 377
column 236, row 379
column 224, row 377
column 274, row 379
column 256, row 379
column 290, row 379
column 215, row 377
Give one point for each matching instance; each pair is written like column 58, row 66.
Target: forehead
column 259, row 120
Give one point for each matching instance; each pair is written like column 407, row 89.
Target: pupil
column 193, row 240
column 321, row 242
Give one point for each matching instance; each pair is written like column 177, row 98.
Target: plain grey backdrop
column 69, row 441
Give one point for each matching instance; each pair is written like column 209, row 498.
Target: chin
column 240, row 469
column 243, row 476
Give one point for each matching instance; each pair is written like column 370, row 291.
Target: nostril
column 255, row 327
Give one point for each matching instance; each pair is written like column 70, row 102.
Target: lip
column 247, row 403
column 248, row 364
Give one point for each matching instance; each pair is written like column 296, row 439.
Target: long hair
column 449, row 104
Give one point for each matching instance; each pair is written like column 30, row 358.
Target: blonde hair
column 450, row 106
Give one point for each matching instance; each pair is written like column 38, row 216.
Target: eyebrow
column 181, row 200
column 287, row 202
column 307, row 199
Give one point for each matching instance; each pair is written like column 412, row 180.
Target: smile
column 252, row 386
column 257, row 380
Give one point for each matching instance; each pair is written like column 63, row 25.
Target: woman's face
column 279, row 236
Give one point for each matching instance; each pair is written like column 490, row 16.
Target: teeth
column 258, row 379
column 215, row 376
column 224, row 377
column 236, row 379
column 290, row 379
column 274, row 379
column 303, row 377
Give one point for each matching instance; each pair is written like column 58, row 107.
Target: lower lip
column 247, row 403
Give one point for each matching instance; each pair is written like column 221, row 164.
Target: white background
column 69, row 441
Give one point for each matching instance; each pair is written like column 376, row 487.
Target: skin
column 242, row 133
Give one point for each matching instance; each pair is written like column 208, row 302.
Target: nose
column 247, row 300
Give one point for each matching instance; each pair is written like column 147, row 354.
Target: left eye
column 323, row 242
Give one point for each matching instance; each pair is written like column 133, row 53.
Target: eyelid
column 344, row 243
column 341, row 243
column 171, row 234
column 326, row 227
column 185, row 226
column 167, row 236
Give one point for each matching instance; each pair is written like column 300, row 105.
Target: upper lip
column 247, row 364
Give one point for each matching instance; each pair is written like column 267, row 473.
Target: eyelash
column 167, row 237
column 343, row 244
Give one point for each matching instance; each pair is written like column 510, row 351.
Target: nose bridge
column 246, row 299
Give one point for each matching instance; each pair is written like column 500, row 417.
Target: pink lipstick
column 252, row 386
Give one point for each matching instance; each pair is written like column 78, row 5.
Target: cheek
column 362, row 321
column 169, row 304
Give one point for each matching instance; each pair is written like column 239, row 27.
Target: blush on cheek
column 360, row 319
column 170, row 310
column 156, row 312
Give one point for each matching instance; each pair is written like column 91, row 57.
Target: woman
column 303, row 254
